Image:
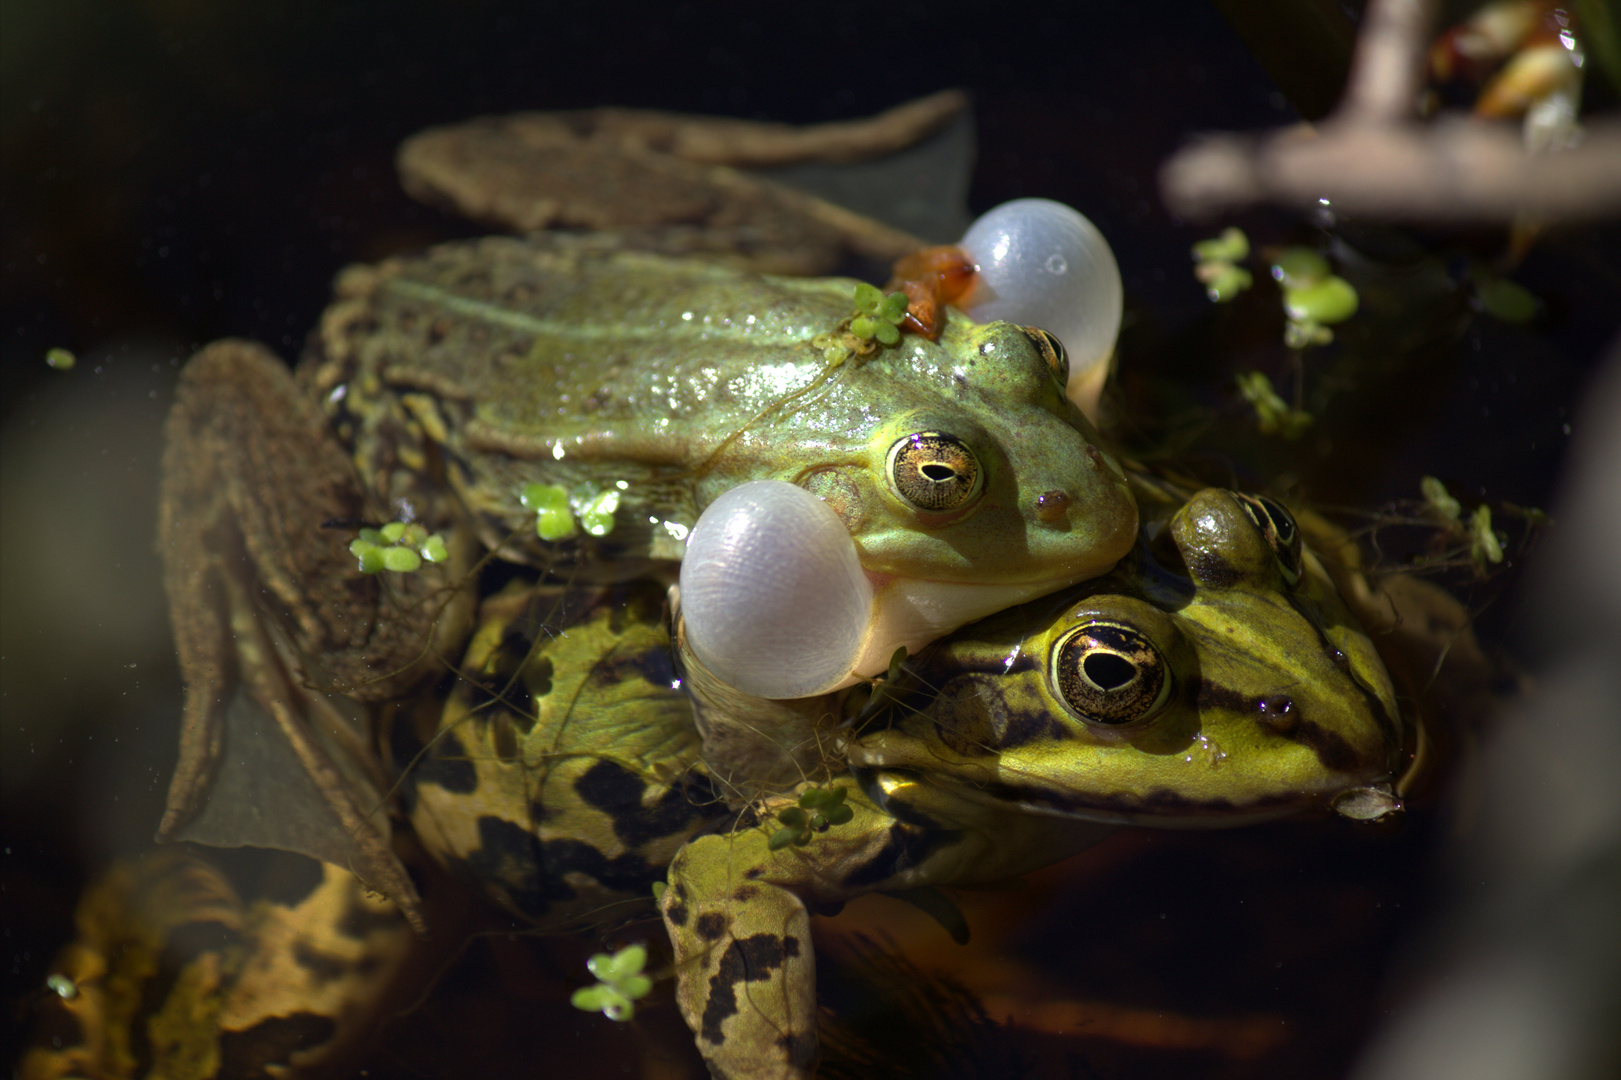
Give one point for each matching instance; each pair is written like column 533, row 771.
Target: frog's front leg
column 735, row 905
column 268, row 605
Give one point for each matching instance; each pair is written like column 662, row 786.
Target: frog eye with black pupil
column 934, row 471
column 1278, row 528
column 1051, row 350
column 1109, row 673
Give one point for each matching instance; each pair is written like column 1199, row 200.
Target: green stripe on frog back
column 492, row 312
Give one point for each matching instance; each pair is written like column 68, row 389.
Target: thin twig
column 1373, row 159
column 1387, row 69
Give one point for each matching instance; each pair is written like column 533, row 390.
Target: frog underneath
column 1214, row 678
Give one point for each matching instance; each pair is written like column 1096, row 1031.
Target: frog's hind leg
column 266, row 604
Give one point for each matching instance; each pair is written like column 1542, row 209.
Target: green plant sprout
column 883, row 686
column 560, row 513
column 878, row 316
column 398, row 547
column 1439, row 501
column 1217, row 266
column 1314, row 297
column 1272, row 413
column 620, row 983
column 1502, row 299
column 818, row 809
column 1485, row 545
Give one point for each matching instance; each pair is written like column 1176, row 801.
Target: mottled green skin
column 521, row 362
column 564, row 773
column 975, row 770
column 1279, row 700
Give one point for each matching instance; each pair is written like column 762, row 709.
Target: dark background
column 172, row 171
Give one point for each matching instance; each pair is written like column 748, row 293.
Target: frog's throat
column 913, row 612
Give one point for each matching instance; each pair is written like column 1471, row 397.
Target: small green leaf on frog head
column 433, row 549
column 62, row 986
column 658, row 890
column 1298, row 268
column 61, row 359
column 1230, row 247
column 1438, row 500
column 1272, row 413
column 793, row 817
column 878, row 316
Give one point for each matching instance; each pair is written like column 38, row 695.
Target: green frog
column 1213, row 678
column 441, row 389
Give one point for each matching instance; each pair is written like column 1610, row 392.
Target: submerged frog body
column 1214, row 678
column 1225, row 686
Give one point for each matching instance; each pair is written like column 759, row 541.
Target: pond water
column 176, row 173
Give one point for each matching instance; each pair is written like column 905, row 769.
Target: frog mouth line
column 1161, row 807
column 914, row 612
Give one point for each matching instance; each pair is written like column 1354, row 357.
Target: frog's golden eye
column 1278, row 527
column 934, row 471
column 1051, row 350
column 1109, row 673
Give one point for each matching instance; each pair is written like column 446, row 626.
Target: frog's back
column 556, row 343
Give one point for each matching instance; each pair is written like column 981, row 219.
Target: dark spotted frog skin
column 1213, row 678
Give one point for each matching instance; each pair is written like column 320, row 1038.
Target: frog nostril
column 1052, row 507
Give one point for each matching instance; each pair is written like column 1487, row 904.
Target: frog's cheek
column 772, row 592
column 1043, row 264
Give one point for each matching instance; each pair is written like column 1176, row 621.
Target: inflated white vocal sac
column 772, row 592
column 1043, row 264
